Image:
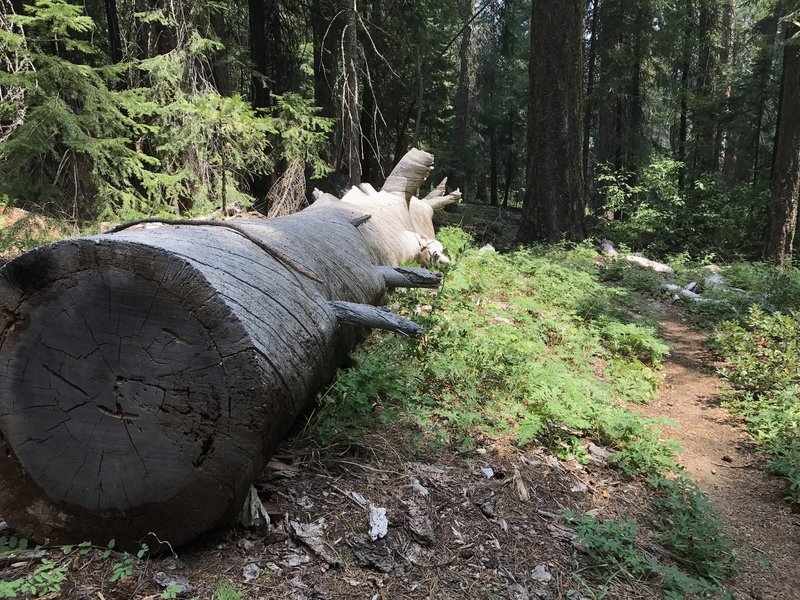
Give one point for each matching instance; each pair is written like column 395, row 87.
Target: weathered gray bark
column 146, row 376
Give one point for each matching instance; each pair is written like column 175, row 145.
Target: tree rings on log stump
column 145, row 376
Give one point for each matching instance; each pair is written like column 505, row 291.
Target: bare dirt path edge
column 720, row 457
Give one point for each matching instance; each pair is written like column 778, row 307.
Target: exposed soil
column 720, row 457
column 484, row 524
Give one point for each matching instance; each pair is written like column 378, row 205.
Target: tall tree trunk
column 554, row 193
column 703, row 124
column 763, row 71
column 462, row 101
column 588, row 116
column 610, row 105
column 782, row 222
column 350, row 104
column 728, row 38
column 325, row 34
column 259, row 52
column 114, row 39
column 635, row 133
column 683, row 127
column 493, row 198
column 221, row 66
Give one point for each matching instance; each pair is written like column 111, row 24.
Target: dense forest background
column 651, row 122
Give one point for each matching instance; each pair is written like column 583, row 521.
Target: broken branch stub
column 146, row 376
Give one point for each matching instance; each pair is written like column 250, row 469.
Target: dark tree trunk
column 114, row 40
column 221, row 67
column 706, row 110
column 259, row 49
column 763, row 71
column 588, row 117
column 493, row 198
column 728, row 38
column 462, row 102
column 350, row 95
column 610, row 105
column 554, row 194
column 326, row 33
column 683, row 127
column 786, row 162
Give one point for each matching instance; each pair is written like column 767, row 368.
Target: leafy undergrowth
column 532, row 348
column 763, row 369
column 754, row 324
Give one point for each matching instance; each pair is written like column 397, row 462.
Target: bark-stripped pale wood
column 146, row 375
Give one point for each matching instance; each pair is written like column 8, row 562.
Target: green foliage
column 762, row 356
column 124, row 566
column 224, row 590
column 73, row 152
column 653, row 213
column 686, row 526
column 633, row 340
column 44, row 580
column 516, row 347
column 690, row 530
column 95, row 146
column 171, row 592
column 12, row 544
column 301, row 132
column 455, row 241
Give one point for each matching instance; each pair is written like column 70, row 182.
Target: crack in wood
column 271, row 250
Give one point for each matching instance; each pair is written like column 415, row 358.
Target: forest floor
column 720, row 456
column 491, row 522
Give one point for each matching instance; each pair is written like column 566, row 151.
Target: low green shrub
column 687, row 527
column 762, row 355
column 527, row 345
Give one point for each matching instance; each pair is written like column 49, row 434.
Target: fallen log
column 147, row 375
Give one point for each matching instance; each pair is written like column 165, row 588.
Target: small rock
column 251, row 572
column 487, row 472
column 542, row 574
column 713, row 471
column 579, row 488
column 245, row 544
column 378, row 556
column 517, row 592
column 486, row 248
column 607, row 248
column 173, row 581
column 172, row 563
column 295, row 560
column 419, row 488
column 487, row 508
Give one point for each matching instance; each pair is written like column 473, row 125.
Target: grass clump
column 685, row 525
column 762, row 353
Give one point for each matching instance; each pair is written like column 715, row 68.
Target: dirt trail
column 720, row 457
